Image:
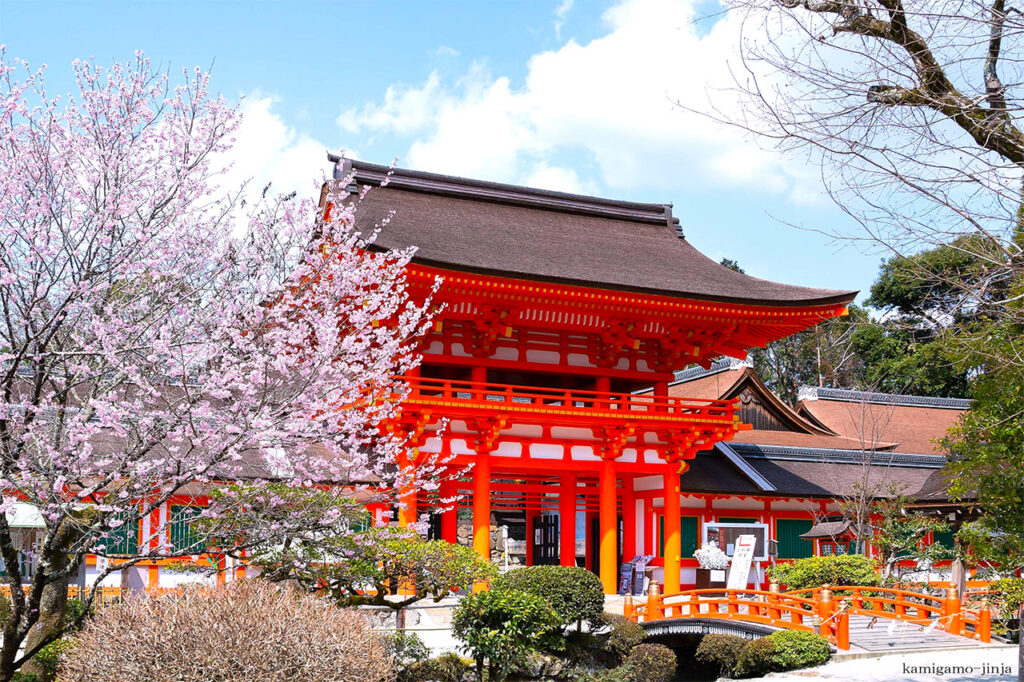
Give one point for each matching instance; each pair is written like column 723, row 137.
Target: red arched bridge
column 871, row 618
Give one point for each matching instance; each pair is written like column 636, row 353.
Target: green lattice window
column 184, row 537
column 737, row 519
column 688, row 537
column 944, row 538
column 124, row 539
column 688, row 526
column 791, row 545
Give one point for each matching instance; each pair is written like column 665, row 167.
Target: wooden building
column 559, row 311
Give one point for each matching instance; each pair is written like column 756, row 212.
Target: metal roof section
column 778, row 452
column 722, row 365
column 849, row 396
column 751, row 473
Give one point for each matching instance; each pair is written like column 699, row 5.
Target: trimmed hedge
column 624, row 634
column 445, row 668
column 574, row 593
column 501, row 626
column 723, row 650
column 845, row 569
column 650, row 663
column 781, row 651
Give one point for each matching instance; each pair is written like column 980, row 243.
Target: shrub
column 250, row 630
column 754, row 659
column 624, row 634
column 48, row 660
column 446, row 668
column 723, row 650
column 845, row 569
column 405, row 648
column 780, row 651
column 650, row 663
column 1008, row 595
column 574, row 593
column 500, row 626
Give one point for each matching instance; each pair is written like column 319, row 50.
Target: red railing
column 475, row 396
column 775, row 609
column 824, row 609
column 947, row 613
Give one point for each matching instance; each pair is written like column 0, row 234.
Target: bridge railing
column 772, row 608
column 947, row 613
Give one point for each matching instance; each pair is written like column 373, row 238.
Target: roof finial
column 342, row 165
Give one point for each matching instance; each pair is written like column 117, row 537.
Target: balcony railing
column 459, row 397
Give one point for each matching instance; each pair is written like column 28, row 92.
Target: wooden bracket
column 487, row 431
column 613, row 440
column 488, row 327
column 615, row 340
column 411, row 426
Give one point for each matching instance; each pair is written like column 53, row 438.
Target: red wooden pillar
column 407, row 492
column 567, row 520
column 607, row 536
column 450, row 516
column 673, row 547
column 650, row 527
column 532, row 509
column 628, row 519
column 482, row 506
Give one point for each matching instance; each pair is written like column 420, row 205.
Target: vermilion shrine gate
column 558, row 310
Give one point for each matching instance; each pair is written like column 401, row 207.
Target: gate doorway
column 545, row 540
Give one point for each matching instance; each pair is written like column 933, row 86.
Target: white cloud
column 612, row 102
column 446, row 51
column 561, row 13
column 558, row 179
column 267, row 150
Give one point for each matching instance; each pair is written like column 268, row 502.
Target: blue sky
column 571, row 96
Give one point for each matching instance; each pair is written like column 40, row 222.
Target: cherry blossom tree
column 161, row 335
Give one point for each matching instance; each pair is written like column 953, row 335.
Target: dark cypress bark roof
column 510, row 231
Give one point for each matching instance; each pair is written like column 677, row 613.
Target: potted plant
column 713, row 564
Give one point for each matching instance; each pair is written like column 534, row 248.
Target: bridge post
column 984, row 632
column 842, row 629
column 826, row 607
column 627, row 607
column 732, row 607
column 654, row 605
column 951, row 611
column 774, row 613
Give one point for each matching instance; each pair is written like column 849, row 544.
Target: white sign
column 739, row 569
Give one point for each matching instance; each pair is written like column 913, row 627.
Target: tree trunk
column 52, row 605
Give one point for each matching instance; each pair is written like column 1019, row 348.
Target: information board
column 742, row 558
column 725, row 534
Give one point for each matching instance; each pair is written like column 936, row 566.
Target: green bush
column 650, row 663
column 49, row 657
column 500, row 626
column 624, row 634
column 845, row 569
column 574, row 593
column 445, row 668
column 406, row 649
column 75, row 608
column 780, row 651
column 1008, row 595
column 723, row 650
